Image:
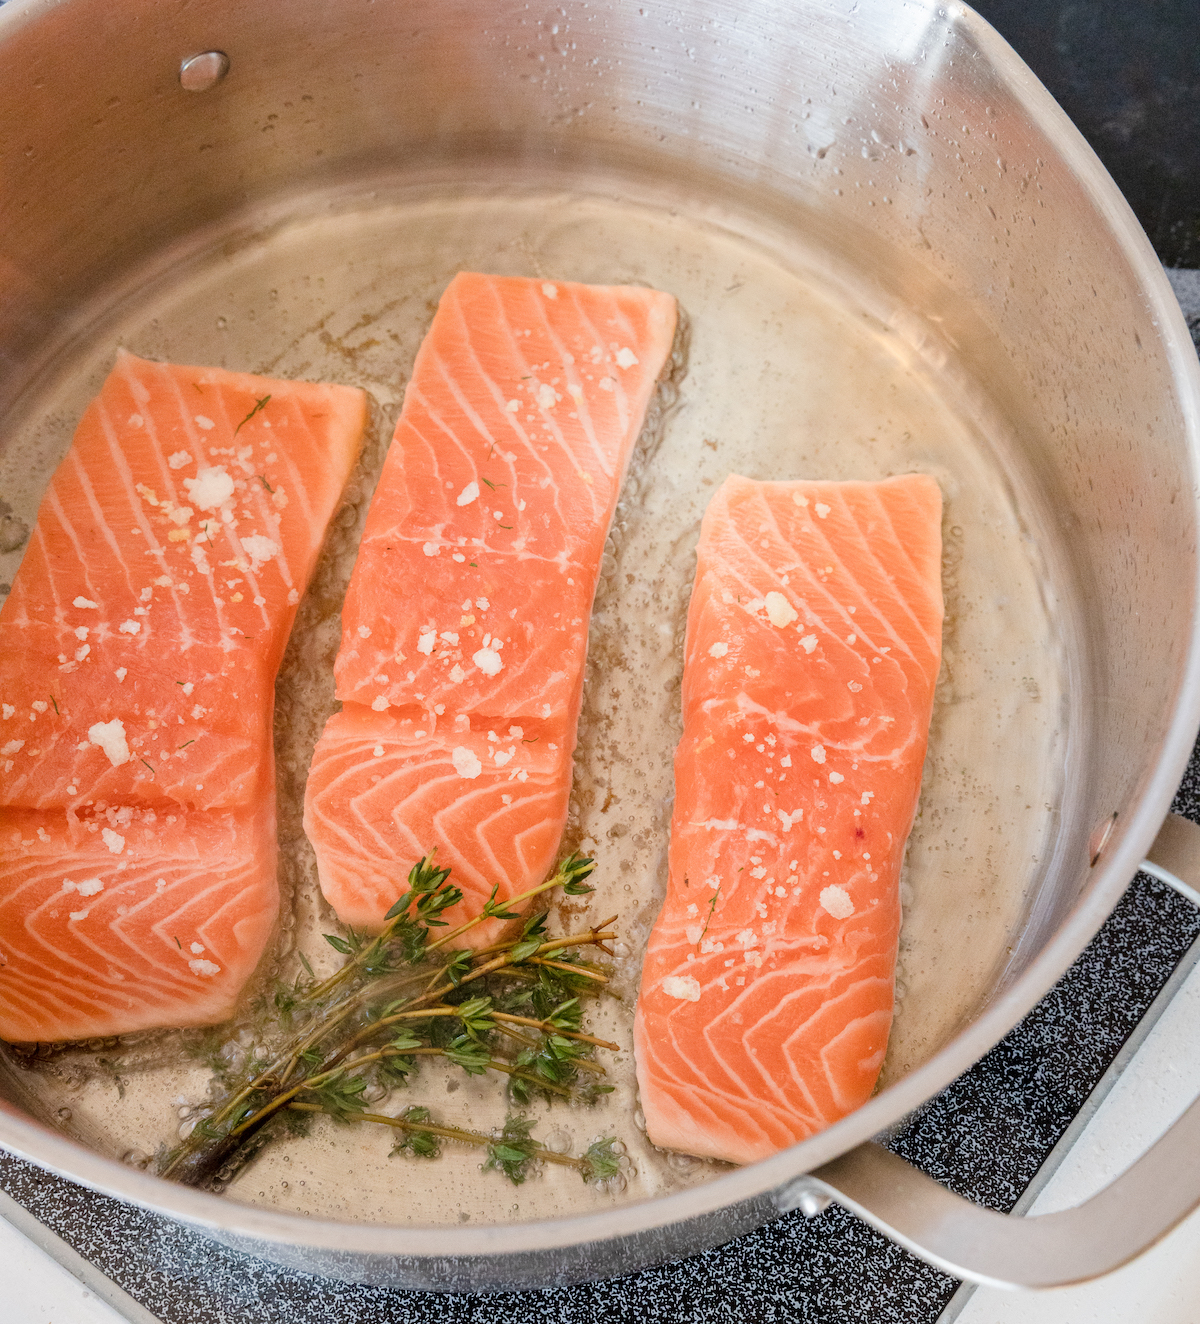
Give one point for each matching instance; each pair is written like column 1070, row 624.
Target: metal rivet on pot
column 1099, row 838
column 803, row 1194
column 200, row 72
column 812, row 1203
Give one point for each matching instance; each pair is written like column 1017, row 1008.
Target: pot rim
column 29, row 1139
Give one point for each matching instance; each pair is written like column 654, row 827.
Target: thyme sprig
column 512, row 1007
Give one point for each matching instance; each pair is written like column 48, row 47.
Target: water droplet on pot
column 200, row 72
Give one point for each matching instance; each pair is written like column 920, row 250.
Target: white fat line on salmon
column 777, row 718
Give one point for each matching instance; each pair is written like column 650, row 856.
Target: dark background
column 1128, row 73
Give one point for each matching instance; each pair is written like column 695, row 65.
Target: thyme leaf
column 602, row 1159
column 514, row 1151
column 259, row 406
column 420, row 1141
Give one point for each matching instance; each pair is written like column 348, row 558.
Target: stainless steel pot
column 987, row 229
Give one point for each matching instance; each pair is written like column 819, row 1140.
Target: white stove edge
column 47, row 1282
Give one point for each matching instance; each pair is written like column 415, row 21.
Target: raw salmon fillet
column 138, row 652
column 813, row 647
column 464, row 630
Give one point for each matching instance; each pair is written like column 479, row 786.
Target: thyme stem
column 560, row 876
column 550, row 1028
column 450, row 1133
column 573, row 969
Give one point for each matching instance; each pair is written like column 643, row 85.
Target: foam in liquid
column 785, row 379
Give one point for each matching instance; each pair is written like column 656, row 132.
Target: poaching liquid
column 784, row 373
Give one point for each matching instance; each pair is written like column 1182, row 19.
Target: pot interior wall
column 883, row 133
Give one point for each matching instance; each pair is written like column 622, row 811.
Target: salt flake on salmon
column 464, row 631
column 140, row 644
column 813, row 647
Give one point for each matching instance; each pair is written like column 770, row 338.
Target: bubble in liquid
column 64, row 1114
column 136, row 1158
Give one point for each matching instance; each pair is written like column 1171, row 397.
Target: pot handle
column 1047, row 1250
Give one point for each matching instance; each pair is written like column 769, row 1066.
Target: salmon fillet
column 813, row 647
column 464, row 631
column 138, row 653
